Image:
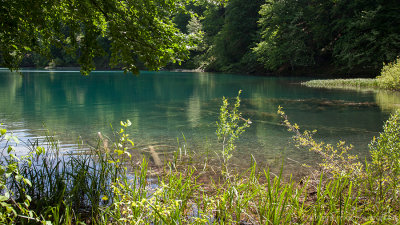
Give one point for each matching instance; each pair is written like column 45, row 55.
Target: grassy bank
column 110, row 185
column 389, row 79
column 357, row 83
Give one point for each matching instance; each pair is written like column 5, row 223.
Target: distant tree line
column 331, row 37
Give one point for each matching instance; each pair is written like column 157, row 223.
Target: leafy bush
column 375, row 188
column 336, row 160
column 390, row 75
column 385, row 150
column 230, row 126
column 383, row 172
column 14, row 202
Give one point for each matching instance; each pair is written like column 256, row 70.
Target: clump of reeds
column 356, row 83
column 61, row 187
column 389, row 79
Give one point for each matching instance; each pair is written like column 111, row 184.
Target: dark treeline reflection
column 164, row 105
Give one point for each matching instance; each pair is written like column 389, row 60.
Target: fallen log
column 154, row 155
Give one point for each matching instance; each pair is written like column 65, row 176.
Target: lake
column 170, row 107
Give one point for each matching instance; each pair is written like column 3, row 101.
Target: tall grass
column 389, row 79
column 65, row 188
column 357, row 83
column 95, row 187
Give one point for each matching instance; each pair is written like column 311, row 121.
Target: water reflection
column 388, row 101
column 163, row 106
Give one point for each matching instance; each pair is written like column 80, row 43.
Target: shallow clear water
column 164, row 106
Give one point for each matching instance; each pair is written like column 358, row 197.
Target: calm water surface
column 165, row 106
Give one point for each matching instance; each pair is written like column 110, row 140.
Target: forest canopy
column 127, row 32
column 331, row 37
column 351, row 35
column 299, row 36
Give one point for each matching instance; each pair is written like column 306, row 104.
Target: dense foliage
column 237, row 36
column 390, row 75
column 352, row 36
column 253, row 36
column 334, row 37
column 230, row 32
column 133, row 30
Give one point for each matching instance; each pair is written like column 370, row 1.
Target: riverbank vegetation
column 389, row 79
column 331, row 38
column 355, row 83
column 112, row 184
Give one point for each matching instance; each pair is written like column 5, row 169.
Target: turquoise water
column 165, row 106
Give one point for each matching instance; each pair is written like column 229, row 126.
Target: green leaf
column 18, row 177
column 10, row 149
column 119, row 152
column 40, row 150
column 28, row 182
column 15, row 139
column 3, row 198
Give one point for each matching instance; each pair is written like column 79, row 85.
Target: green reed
column 355, row 83
column 66, row 187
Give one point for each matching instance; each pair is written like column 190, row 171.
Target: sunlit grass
column 47, row 187
column 388, row 79
column 343, row 83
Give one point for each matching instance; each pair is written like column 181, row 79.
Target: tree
column 228, row 32
column 369, row 33
column 238, row 34
column 350, row 36
column 138, row 30
column 293, row 33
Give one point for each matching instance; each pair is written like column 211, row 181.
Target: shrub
column 384, row 170
column 230, row 126
column 385, row 150
column 14, row 202
column 375, row 188
column 336, row 159
column 390, row 75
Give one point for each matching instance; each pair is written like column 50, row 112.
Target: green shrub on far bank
column 390, row 76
